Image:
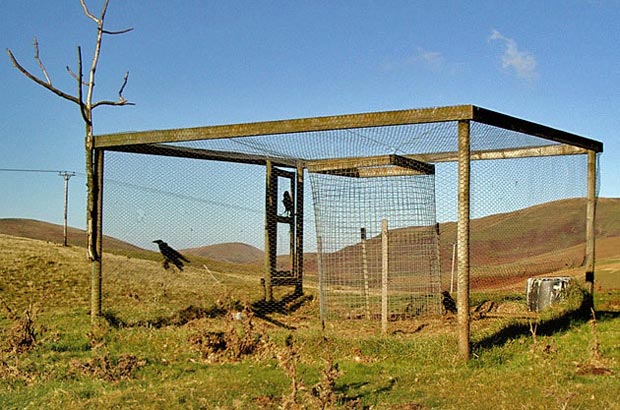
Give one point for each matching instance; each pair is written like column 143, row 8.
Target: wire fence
column 379, row 234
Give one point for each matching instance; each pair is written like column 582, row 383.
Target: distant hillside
column 235, row 252
column 533, row 231
column 555, row 230
column 45, row 231
column 535, row 240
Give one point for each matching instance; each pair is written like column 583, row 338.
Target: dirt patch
column 107, row 368
column 23, row 334
column 593, row 370
column 238, row 340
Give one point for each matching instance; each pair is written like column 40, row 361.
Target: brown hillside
column 538, row 230
column 551, row 234
column 500, row 239
column 235, row 252
column 45, row 231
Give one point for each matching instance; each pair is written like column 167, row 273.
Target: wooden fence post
column 384, row 274
column 464, row 168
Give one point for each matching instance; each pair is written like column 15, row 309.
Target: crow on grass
column 448, row 303
column 170, row 255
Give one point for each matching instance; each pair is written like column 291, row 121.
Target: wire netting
column 528, row 216
column 371, row 227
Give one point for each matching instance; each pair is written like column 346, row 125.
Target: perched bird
column 170, row 255
column 448, row 303
column 288, row 203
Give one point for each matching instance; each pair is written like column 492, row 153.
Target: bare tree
column 94, row 158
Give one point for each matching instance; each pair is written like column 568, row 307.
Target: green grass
column 145, row 354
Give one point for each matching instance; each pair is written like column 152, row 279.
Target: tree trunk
column 93, row 218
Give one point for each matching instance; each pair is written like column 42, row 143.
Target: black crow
column 170, row 255
column 448, row 303
column 288, row 203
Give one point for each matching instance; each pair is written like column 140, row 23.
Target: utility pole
column 66, row 176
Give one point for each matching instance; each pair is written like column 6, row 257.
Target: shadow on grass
column 346, row 398
column 547, row 327
column 180, row 318
column 261, row 308
column 287, row 305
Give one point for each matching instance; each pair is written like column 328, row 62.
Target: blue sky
column 196, row 63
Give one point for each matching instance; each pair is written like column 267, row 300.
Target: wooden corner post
column 590, row 225
column 464, row 168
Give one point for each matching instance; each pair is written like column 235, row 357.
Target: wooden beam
column 530, row 128
column 348, row 121
column 367, row 167
column 528, row 152
column 293, row 126
column 198, row 153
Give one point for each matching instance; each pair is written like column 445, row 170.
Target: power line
column 36, row 170
column 66, row 175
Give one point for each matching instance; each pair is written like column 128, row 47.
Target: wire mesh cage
column 377, row 232
column 377, row 237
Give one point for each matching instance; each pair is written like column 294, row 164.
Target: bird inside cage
column 289, row 208
column 170, row 255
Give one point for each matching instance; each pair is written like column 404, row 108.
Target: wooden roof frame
column 152, row 141
column 370, row 167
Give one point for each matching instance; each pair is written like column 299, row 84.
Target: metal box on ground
column 543, row 292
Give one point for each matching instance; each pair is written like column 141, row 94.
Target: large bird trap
column 406, row 204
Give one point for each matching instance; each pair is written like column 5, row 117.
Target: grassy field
column 197, row 339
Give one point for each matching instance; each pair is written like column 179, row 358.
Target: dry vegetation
column 197, row 339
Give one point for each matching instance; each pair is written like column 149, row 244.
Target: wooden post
column 96, row 269
column 384, row 274
column 299, row 230
column 66, row 176
column 292, row 248
column 365, row 272
column 452, row 269
column 464, row 168
column 590, row 225
column 322, row 295
column 270, row 225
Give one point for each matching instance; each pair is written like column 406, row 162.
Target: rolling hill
column 46, row 231
column 554, row 230
column 235, row 252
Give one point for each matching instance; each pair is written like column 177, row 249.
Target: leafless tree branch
column 112, row 103
column 84, row 101
column 36, row 57
column 120, row 91
column 89, row 14
column 39, row 81
column 74, row 75
column 127, row 30
column 99, row 21
column 86, row 110
column 121, row 100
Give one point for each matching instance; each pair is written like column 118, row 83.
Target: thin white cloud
column 421, row 60
column 428, row 60
column 522, row 62
column 433, row 60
